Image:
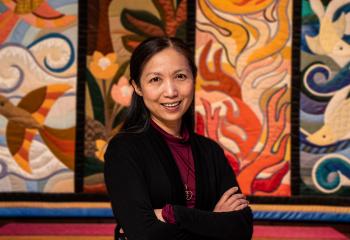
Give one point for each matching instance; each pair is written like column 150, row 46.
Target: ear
column 136, row 88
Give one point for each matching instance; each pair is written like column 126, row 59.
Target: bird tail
column 61, row 142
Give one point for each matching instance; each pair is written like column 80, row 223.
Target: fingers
column 239, row 202
column 227, row 195
column 240, row 207
column 234, row 198
column 236, row 205
column 231, row 201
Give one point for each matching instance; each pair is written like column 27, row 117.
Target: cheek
column 188, row 89
column 150, row 95
column 150, row 103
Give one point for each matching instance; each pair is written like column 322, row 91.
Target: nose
column 170, row 90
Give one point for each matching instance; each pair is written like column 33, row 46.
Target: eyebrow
column 159, row 74
column 154, row 73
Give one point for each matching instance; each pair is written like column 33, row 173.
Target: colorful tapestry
column 324, row 98
column 115, row 28
column 243, row 89
column 38, row 42
column 243, row 51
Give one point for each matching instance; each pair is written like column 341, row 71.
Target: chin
column 170, row 118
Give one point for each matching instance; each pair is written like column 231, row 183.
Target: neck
column 173, row 128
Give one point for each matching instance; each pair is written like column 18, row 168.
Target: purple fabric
column 182, row 153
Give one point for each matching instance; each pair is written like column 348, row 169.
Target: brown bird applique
column 27, row 119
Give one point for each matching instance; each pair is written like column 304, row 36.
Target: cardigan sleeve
column 218, row 225
column 130, row 200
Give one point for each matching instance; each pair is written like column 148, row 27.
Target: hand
column 231, row 201
column 158, row 213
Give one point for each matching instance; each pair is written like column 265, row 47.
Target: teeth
column 171, row 104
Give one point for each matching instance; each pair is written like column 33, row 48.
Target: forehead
column 167, row 60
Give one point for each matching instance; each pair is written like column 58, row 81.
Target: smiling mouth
column 171, row 105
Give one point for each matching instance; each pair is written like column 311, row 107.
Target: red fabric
column 182, row 154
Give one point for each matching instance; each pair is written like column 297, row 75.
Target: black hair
column 138, row 116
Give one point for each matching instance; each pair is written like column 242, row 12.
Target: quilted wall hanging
column 115, row 28
column 38, row 66
column 324, row 98
column 272, row 90
column 243, row 98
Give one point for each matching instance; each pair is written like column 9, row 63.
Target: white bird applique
column 336, row 120
column 329, row 40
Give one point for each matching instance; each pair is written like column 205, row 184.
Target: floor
column 102, row 229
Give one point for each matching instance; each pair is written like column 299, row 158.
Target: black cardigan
column 141, row 175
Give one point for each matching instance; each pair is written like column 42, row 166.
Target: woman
column 164, row 181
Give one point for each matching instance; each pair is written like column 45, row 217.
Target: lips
column 171, row 106
column 174, row 104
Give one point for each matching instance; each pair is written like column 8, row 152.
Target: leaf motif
column 160, row 9
column 142, row 23
column 96, row 97
column 181, row 12
column 130, row 42
column 171, row 15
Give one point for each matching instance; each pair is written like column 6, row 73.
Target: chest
column 163, row 178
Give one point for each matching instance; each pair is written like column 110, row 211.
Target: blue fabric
column 302, row 216
column 106, row 212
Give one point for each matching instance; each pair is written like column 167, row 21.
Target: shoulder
column 121, row 158
column 124, row 143
column 125, row 138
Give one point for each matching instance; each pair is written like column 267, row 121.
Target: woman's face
column 167, row 87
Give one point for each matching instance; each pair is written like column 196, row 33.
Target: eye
column 181, row 76
column 155, row 79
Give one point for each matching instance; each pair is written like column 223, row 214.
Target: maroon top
column 182, row 154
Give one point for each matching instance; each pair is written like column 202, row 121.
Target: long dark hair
column 138, row 116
